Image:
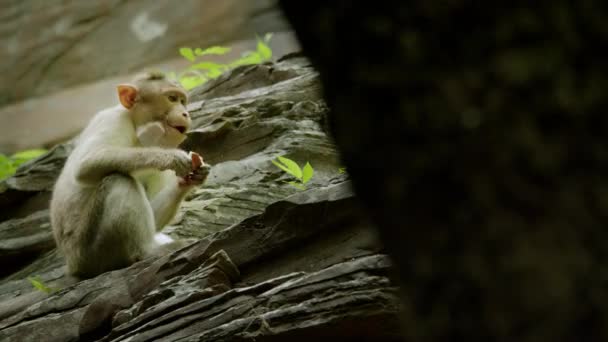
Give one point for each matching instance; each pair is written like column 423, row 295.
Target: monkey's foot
column 162, row 239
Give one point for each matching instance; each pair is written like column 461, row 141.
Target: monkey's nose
column 185, row 115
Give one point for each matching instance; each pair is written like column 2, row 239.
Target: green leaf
column 292, row 166
column 23, row 156
column 307, row 173
column 7, row 172
column 280, row 166
column 29, row 154
column 187, row 53
column 206, row 66
column 342, row 170
column 7, row 167
column 297, row 185
column 190, row 82
column 214, row 50
column 4, row 159
column 39, row 285
column 264, row 50
column 214, row 73
column 250, row 58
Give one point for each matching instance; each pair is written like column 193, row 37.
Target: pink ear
column 127, row 94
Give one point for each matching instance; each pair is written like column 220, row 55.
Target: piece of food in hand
column 199, row 172
column 197, row 160
column 195, row 177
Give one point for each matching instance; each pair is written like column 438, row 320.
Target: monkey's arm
column 98, row 163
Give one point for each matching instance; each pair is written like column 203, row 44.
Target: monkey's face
column 175, row 117
column 160, row 115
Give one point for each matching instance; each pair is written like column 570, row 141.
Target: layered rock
column 271, row 262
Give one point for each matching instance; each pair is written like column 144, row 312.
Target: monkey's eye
column 172, row 98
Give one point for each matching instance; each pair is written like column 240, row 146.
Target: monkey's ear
column 127, row 94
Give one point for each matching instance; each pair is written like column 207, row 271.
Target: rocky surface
column 272, row 262
column 55, row 44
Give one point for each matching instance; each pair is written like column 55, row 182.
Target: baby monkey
column 125, row 179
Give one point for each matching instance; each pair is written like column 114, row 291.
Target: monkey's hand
column 196, row 177
column 150, row 133
column 181, row 163
column 199, row 172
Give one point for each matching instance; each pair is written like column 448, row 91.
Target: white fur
column 162, row 239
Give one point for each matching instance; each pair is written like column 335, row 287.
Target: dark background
column 475, row 134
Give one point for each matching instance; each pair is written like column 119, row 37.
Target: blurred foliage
column 39, row 285
column 202, row 71
column 8, row 165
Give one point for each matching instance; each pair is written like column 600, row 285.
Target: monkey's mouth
column 181, row 129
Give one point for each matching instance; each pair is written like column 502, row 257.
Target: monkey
column 125, row 179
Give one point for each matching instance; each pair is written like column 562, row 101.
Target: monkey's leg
column 125, row 226
column 166, row 201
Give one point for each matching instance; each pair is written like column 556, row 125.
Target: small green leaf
column 29, row 154
column 297, row 185
column 280, row 166
column 342, row 170
column 187, row 53
column 7, row 167
column 4, row 160
column 251, row 57
column 264, row 50
column 214, row 50
column 7, row 172
column 293, row 167
column 190, row 82
column 39, row 285
column 307, row 173
column 206, row 66
column 214, row 73
column 23, row 156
